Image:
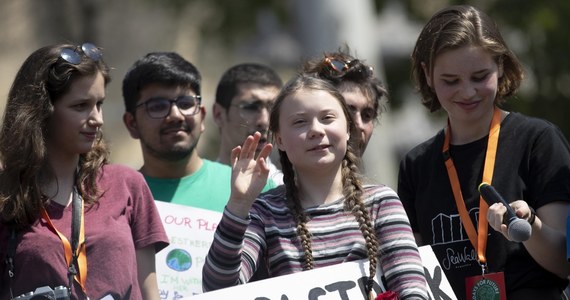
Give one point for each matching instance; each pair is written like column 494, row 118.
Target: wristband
column 532, row 216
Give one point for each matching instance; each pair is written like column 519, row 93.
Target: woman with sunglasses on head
column 462, row 64
column 365, row 94
column 70, row 222
column 322, row 215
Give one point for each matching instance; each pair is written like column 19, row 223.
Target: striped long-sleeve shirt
column 269, row 235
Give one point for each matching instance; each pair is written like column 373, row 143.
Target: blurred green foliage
column 536, row 31
column 544, row 26
column 230, row 21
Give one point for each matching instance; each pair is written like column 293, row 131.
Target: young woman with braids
column 322, row 215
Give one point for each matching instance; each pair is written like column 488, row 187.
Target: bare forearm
column 147, row 273
column 548, row 247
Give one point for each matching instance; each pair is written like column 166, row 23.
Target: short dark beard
column 171, row 155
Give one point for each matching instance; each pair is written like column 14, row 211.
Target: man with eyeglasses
column 164, row 111
column 244, row 97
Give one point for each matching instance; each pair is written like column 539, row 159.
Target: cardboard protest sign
column 179, row 266
column 339, row 282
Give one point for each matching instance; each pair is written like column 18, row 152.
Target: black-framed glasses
column 73, row 55
column 250, row 110
column 160, row 107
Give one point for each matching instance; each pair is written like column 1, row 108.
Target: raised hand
column 249, row 174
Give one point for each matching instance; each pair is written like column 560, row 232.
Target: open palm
column 249, row 174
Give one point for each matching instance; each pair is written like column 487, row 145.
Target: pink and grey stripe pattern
column 269, row 236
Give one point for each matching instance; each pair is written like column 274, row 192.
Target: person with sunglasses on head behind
column 72, row 225
column 244, row 97
column 323, row 215
column 164, row 110
column 462, row 65
column 363, row 92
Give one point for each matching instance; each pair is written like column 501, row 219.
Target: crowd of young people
column 68, row 212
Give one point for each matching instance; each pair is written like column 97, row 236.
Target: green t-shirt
column 207, row 188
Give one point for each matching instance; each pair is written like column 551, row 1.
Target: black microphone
column 519, row 230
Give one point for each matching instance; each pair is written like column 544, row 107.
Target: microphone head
column 519, row 230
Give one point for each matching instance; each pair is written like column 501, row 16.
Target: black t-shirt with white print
column 532, row 163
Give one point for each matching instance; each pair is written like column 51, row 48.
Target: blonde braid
column 299, row 215
column 353, row 190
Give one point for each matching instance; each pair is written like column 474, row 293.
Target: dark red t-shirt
column 124, row 219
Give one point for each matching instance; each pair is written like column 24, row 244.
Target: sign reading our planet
column 179, row 266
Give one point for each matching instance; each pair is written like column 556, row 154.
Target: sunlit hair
column 41, row 81
column 455, row 27
column 244, row 73
column 352, row 182
column 168, row 69
column 355, row 75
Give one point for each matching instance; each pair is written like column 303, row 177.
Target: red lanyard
column 478, row 238
column 80, row 252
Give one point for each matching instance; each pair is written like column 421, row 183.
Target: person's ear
column 278, row 142
column 131, row 124
column 427, row 75
column 500, row 65
column 219, row 114
column 203, row 116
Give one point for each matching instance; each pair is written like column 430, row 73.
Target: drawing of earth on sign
column 179, row 260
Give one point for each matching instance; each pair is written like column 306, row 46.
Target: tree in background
column 218, row 33
column 537, row 33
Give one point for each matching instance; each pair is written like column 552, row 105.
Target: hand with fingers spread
column 312, row 126
column 249, row 174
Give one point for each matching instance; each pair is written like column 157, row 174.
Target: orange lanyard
column 478, row 238
column 80, row 253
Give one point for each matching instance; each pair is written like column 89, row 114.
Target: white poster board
column 179, row 266
column 190, row 230
column 339, row 282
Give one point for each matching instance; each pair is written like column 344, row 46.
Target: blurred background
column 216, row 34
